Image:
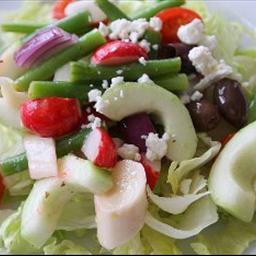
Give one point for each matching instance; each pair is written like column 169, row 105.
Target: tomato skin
column 58, row 11
column 51, row 117
column 172, row 19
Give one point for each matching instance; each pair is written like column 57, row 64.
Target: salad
column 126, row 127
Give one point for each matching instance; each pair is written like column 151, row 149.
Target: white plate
column 243, row 11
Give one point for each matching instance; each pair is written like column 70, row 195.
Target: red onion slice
column 45, row 43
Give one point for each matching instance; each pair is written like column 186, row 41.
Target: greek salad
column 126, row 127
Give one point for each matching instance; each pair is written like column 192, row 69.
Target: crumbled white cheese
column 134, row 37
column 119, row 72
column 94, row 122
column 91, row 85
column 156, row 147
column 202, row 59
column 120, row 29
column 196, row 96
column 156, row 24
column 93, row 95
column 103, row 29
column 155, row 47
column 117, row 80
column 145, row 45
column 142, row 61
column 192, row 32
column 129, row 151
column 101, row 104
column 91, row 118
column 105, row 84
column 144, row 79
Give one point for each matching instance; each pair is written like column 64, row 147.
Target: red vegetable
column 136, row 126
column 43, row 44
column 51, row 117
column 100, row 149
column 2, row 187
column 227, row 138
column 118, row 53
column 152, row 172
column 172, row 19
column 58, row 11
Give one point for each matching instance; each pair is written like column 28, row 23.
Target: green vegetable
column 83, row 72
column 43, row 89
column 42, row 210
column 176, row 83
column 64, row 146
column 25, row 28
column 78, row 24
column 45, row 71
column 229, row 236
column 111, row 10
column 65, row 247
column 11, row 237
column 154, row 38
column 152, row 11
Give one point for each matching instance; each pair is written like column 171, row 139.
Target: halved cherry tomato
column 89, row 110
column 58, row 11
column 51, row 117
column 172, row 19
column 227, row 138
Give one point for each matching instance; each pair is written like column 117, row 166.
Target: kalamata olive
column 231, row 102
column 178, row 50
column 204, row 114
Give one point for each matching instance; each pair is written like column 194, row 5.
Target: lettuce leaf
column 229, row 236
column 65, row 247
column 199, row 216
column 178, row 171
column 174, row 204
column 10, row 235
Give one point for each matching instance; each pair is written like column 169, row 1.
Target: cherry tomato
column 51, row 117
column 172, row 19
column 227, row 138
column 58, row 11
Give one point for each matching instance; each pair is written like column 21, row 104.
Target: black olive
column 178, row 50
column 231, row 102
column 204, row 114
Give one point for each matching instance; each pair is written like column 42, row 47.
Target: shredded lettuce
column 199, row 216
column 229, row 236
column 179, row 171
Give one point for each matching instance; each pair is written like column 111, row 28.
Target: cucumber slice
column 83, row 176
column 43, row 209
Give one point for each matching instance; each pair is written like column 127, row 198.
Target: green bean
column 111, row 10
column 154, row 38
column 78, row 24
column 176, row 83
column 152, row 11
column 83, row 72
column 69, row 144
column 25, row 28
column 41, row 89
column 46, row 70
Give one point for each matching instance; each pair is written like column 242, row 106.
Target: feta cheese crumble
column 142, row 61
column 156, row 24
column 116, row 80
column 103, row 29
column 94, row 95
column 156, row 147
column 105, row 84
column 94, row 122
column 196, row 96
column 144, row 79
column 202, row 59
column 145, row 45
column 129, row 151
column 193, row 33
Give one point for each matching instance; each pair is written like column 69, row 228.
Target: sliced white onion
column 97, row 14
column 41, row 155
